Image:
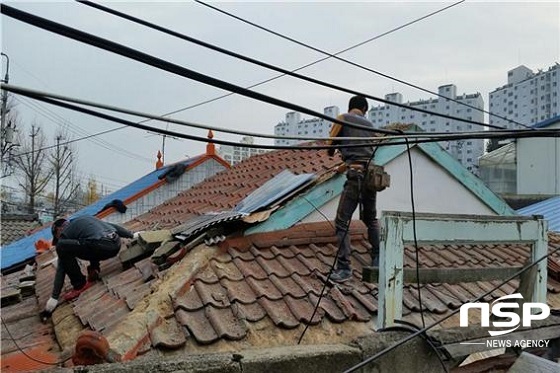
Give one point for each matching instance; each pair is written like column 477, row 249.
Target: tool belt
column 376, row 178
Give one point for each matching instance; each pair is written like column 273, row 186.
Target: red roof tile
column 274, row 277
column 235, row 184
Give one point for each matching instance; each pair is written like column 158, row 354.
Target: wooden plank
column 532, row 363
column 391, row 274
column 471, row 346
column 446, row 275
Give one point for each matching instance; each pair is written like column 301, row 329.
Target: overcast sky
column 471, row 45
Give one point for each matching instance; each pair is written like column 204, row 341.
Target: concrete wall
column 414, row 356
column 538, row 165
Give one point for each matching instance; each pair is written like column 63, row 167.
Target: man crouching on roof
column 86, row 238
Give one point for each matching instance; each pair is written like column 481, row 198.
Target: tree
column 31, row 173
column 10, row 117
column 92, row 194
column 66, row 185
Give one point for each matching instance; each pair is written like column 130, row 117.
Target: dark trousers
column 355, row 192
column 92, row 250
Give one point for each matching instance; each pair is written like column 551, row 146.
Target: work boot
column 93, row 274
column 75, row 293
column 341, row 275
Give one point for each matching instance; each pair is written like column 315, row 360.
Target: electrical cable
column 508, row 134
column 159, row 63
column 439, row 135
column 413, row 205
column 423, row 330
column 57, row 363
column 264, row 64
column 308, row 64
column 335, row 56
column 411, row 328
column 331, row 269
column 62, row 122
column 21, row 90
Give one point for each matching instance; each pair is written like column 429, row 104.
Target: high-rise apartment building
column 448, row 102
column 294, row 126
column 527, row 98
column 238, row 153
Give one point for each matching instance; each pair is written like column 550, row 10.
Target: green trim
column 301, row 206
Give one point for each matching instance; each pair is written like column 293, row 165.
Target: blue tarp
column 24, row 249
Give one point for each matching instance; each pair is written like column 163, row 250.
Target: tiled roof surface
column 21, row 322
column 272, row 278
column 24, row 249
column 14, row 227
column 280, row 276
column 234, row 185
column 277, row 277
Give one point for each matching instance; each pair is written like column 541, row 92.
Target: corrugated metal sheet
column 273, row 190
column 548, row 122
column 549, row 208
column 24, row 249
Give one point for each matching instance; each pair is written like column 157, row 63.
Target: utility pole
column 57, row 181
column 33, row 189
column 6, row 129
column 5, row 95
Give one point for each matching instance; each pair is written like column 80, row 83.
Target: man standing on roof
column 357, row 160
column 86, row 238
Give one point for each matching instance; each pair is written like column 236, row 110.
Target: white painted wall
column 435, row 191
column 167, row 191
column 538, row 165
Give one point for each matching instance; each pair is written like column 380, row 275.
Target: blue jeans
column 355, row 192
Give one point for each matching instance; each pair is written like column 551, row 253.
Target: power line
column 179, row 70
column 432, row 135
column 76, row 130
column 269, row 66
column 335, row 56
column 159, row 63
column 418, row 138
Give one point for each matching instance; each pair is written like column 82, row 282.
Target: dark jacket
column 91, row 228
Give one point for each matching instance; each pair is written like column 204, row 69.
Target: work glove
column 51, row 304
column 135, row 235
column 49, row 308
